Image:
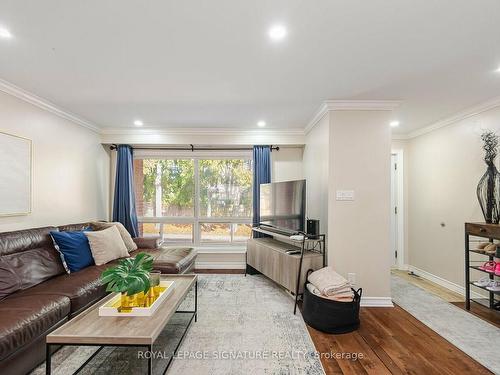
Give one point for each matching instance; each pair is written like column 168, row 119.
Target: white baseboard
column 376, row 302
column 220, row 249
column 220, row 265
column 442, row 282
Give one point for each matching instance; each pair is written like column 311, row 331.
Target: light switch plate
column 345, row 195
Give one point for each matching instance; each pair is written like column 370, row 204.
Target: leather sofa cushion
column 9, row 280
column 24, row 318
column 74, row 227
column 83, row 288
column 22, row 240
column 171, row 260
column 148, row 242
column 31, row 255
column 35, row 265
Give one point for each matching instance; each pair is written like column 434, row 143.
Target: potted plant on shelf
column 130, row 277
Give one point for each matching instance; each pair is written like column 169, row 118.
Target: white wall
column 444, row 167
column 315, row 171
column 360, row 149
column 350, row 150
column 70, row 167
column 286, row 164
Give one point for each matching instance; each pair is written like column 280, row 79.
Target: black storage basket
column 331, row 316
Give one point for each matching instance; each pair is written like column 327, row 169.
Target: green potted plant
column 129, row 277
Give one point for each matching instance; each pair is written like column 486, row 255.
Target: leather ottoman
column 173, row 260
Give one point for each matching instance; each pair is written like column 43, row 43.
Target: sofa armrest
column 148, row 242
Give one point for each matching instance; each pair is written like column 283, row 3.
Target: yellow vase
column 139, row 299
column 150, row 297
column 157, row 290
column 126, row 303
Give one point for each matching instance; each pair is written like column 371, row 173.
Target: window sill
column 218, row 249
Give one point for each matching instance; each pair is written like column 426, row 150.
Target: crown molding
column 198, row 131
column 326, row 106
column 39, row 102
column 350, row 105
column 462, row 115
column 400, row 137
column 206, row 136
column 362, row 105
column 318, row 116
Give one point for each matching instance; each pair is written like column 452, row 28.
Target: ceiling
column 210, row 64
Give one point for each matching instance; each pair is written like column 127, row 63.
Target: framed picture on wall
column 16, row 164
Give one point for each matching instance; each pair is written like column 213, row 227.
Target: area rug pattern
column 245, row 326
column 474, row 336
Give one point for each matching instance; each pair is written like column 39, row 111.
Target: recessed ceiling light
column 498, row 70
column 394, row 124
column 261, row 124
column 4, row 33
column 277, row 32
column 138, row 123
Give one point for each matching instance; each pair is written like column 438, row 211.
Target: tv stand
column 269, row 257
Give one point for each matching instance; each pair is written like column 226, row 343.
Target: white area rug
column 474, row 336
column 245, row 326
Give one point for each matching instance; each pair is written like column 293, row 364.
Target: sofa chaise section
column 47, row 296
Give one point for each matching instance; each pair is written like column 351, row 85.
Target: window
column 196, row 199
column 215, row 232
column 225, row 188
column 167, row 187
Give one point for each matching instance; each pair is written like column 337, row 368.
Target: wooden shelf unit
column 489, row 232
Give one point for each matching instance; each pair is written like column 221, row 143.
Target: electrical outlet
column 351, row 277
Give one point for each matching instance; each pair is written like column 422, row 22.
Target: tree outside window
column 167, row 189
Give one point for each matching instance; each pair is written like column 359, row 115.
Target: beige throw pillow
column 106, row 245
column 126, row 237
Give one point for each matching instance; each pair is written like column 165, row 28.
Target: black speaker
column 313, row 228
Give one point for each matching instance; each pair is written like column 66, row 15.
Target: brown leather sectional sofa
column 44, row 296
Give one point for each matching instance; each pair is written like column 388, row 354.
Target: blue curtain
column 124, row 203
column 261, row 175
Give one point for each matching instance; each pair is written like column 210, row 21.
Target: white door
column 394, row 209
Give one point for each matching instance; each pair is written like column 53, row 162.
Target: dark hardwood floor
column 393, row 342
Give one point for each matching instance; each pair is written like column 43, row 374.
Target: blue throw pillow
column 74, row 249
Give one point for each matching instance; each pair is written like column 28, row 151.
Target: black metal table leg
column 323, row 248
column 196, row 300
column 150, row 360
column 48, row 364
column 298, row 277
column 467, row 275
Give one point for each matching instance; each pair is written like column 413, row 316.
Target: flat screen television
column 283, row 205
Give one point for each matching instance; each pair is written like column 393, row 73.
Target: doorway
column 397, row 221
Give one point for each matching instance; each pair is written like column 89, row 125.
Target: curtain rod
column 196, row 148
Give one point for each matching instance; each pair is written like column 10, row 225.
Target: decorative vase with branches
column 129, row 277
column 488, row 188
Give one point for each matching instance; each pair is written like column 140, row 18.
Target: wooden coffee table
column 90, row 329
